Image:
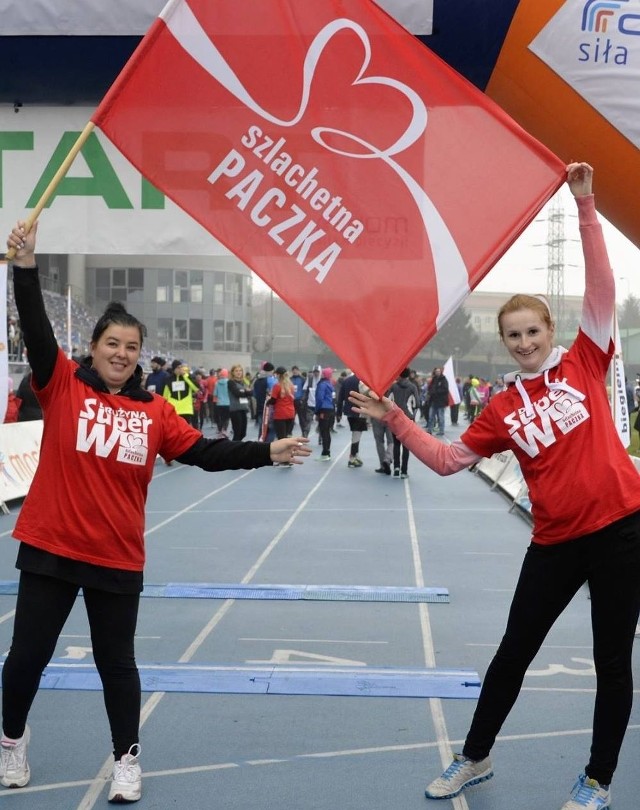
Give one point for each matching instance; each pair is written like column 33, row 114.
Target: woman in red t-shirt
column 555, row 416
column 283, row 401
column 101, row 428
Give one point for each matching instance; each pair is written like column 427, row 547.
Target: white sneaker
column 126, row 783
column 588, row 794
column 460, row 774
column 14, row 768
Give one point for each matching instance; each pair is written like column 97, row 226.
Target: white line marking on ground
column 313, row 640
column 383, row 749
column 545, row 647
column 435, row 704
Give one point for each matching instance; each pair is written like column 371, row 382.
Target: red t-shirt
column 563, row 433
column 87, row 499
column 284, row 407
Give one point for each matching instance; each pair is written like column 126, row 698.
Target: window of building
column 218, row 289
column 180, row 286
column 234, row 287
column 218, row 335
column 165, row 331
column 195, row 334
column 135, row 279
column 165, row 282
column 233, row 336
column 180, row 330
column 196, row 285
column 119, row 277
column 103, row 284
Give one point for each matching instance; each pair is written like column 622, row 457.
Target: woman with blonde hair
column 283, row 400
column 239, row 396
column 555, row 417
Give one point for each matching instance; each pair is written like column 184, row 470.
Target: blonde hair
column 233, row 368
column 536, row 303
column 286, row 386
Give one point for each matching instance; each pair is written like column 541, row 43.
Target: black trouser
column 326, row 418
column 42, row 608
column 305, row 417
column 609, row 560
column 398, row 449
column 238, row 425
column 222, row 416
column 301, row 413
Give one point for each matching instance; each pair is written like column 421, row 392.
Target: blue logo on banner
column 605, row 18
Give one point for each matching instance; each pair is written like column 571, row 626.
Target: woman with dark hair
column 101, row 428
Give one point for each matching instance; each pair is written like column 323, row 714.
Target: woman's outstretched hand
column 580, row 179
column 290, row 451
column 370, row 404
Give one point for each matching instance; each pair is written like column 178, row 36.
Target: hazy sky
column 516, row 271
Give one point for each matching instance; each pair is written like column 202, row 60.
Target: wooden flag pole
column 57, row 177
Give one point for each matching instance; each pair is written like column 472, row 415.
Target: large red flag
column 359, row 176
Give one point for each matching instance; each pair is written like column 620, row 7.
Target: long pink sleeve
column 445, row 459
column 600, row 289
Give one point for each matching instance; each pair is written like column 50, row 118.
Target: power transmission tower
column 555, row 261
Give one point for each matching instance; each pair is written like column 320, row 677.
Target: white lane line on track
column 96, row 787
column 544, row 647
column 312, row 640
column 383, row 749
column 435, row 704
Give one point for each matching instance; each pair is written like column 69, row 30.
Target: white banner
column 103, row 205
column 595, row 47
column 19, row 456
column 619, row 404
column 133, row 17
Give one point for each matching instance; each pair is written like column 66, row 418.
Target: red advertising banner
column 366, row 182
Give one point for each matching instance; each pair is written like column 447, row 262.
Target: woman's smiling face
column 116, row 354
column 527, row 337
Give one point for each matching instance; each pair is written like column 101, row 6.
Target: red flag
column 367, row 183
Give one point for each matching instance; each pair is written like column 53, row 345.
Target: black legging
column 609, row 560
column 42, row 608
column 326, row 418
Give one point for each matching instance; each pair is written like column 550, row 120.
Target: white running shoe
column 460, row 774
column 14, row 768
column 126, row 784
column 588, row 794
